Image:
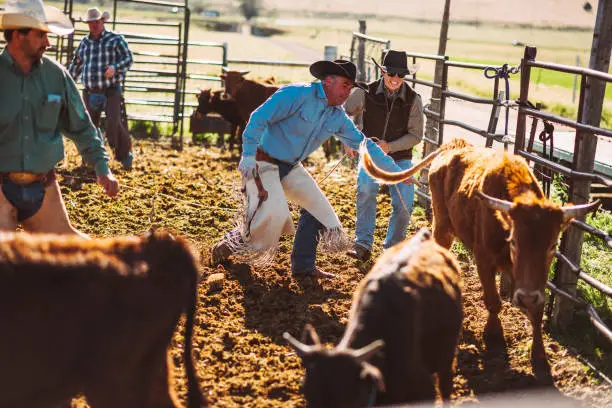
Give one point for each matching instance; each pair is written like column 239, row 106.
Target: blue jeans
column 27, row 199
column 304, row 254
column 367, row 190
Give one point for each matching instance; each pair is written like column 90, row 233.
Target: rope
column 141, row 190
column 503, row 72
column 333, row 169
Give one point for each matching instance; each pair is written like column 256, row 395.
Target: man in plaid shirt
column 101, row 62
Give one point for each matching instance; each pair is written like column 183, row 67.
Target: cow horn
column 301, row 349
column 495, row 203
column 364, row 353
column 224, row 69
column 310, row 336
column 244, row 72
column 578, row 211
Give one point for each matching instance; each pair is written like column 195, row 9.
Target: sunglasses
column 393, row 72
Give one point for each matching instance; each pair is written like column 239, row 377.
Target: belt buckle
column 23, row 178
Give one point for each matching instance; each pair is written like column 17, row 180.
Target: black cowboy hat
column 396, row 61
column 347, row 69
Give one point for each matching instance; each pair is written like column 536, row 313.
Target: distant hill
column 554, row 13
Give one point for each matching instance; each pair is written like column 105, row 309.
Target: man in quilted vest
column 392, row 114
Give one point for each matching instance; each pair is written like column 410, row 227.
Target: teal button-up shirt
column 296, row 120
column 35, row 110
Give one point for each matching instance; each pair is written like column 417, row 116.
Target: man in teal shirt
column 39, row 102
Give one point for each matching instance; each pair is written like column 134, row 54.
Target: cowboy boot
column 360, row 253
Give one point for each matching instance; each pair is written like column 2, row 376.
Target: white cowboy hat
column 94, row 14
column 32, row 14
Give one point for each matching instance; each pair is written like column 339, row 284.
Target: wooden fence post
column 432, row 125
column 361, row 73
column 584, row 155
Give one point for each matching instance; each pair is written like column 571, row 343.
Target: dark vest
column 375, row 114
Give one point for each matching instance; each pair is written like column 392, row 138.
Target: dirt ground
column 242, row 359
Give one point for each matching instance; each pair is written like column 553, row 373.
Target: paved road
column 477, row 115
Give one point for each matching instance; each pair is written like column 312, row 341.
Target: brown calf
column 409, row 305
column 213, row 101
column 94, row 317
column 248, row 94
column 492, row 202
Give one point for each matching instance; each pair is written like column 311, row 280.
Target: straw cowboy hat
column 94, row 14
column 347, row 69
column 32, row 14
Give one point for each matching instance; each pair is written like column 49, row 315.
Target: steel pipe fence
column 162, row 74
column 566, row 267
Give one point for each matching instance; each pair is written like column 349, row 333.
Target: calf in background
column 248, row 94
column 212, row 101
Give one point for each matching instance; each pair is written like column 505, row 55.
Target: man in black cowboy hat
column 393, row 116
column 281, row 133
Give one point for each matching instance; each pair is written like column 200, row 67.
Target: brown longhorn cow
column 409, row 305
column 493, row 203
column 94, row 317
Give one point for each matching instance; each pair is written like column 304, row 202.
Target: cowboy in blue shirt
column 282, row 132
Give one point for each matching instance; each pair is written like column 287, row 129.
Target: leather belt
column 260, row 155
column 95, row 91
column 23, row 178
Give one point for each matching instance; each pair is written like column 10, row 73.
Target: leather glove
column 247, row 166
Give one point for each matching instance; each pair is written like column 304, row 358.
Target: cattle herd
column 96, row 317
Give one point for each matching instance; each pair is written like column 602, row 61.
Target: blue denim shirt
column 296, row 120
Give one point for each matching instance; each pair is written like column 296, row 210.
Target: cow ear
column 222, row 76
column 310, row 336
column 373, row 374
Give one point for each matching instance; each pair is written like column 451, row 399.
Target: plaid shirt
column 92, row 57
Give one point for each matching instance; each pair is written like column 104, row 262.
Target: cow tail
column 388, row 177
column 195, row 398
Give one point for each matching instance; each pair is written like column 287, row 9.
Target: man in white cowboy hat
column 281, row 133
column 39, row 102
column 101, row 61
column 392, row 114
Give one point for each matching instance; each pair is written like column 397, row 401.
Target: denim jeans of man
column 367, row 190
column 117, row 134
column 304, row 254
